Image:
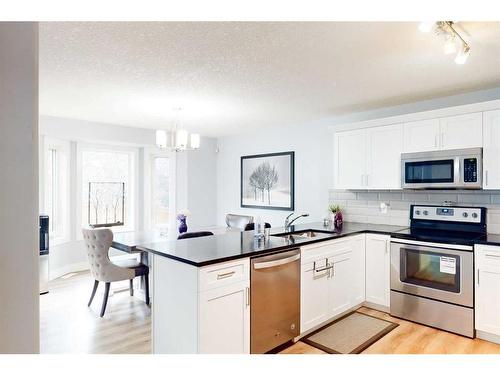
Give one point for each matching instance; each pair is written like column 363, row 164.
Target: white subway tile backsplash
column 364, row 206
column 474, row 198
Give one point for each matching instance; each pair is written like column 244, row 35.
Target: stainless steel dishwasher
column 275, row 300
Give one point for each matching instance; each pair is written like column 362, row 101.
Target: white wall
column 197, row 187
column 19, row 307
column 313, row 170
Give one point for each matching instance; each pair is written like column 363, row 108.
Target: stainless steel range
column 432, row 267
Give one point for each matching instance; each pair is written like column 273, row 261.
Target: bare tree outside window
column 106, row 204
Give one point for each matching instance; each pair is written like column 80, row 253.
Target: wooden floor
column 411, row 338
column 69, row 326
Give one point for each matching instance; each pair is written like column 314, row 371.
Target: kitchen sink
column 304, row 234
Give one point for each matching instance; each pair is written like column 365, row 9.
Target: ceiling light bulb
column 181, row 139
column 426, row 27
column 161, row 138
column 462, row 55
column 195, row 141
column 449, row 46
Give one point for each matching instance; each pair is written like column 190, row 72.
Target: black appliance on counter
column 44, row 254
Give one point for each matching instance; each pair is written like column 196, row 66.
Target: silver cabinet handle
column 328, row 267
column 486, row 176
column 491, row 256
column 225, row 275
column 248, row 295
column 275, row 263
column 442, row 139
column 436, row 140
column 478, row 277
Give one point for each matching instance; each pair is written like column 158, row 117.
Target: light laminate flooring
column 69, row 326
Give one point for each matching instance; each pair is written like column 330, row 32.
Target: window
column 107, row 189
column 55, row 180
column 160, row 194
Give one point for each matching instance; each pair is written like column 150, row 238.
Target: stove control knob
column 426, row 212
column 474, row 215
column 417, row 212
column 465, row 214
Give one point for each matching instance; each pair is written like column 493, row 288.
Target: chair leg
column 131, row 287
column 105, row 299
column 96, row 283
column 146, row 287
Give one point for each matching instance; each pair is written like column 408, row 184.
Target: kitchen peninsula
column 201, row 286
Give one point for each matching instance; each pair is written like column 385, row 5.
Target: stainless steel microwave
column 449, row 169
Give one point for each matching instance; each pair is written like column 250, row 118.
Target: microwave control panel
column 470, row 170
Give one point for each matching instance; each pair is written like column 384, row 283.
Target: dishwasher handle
column 275, row 263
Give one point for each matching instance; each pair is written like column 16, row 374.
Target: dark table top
column 231, row 245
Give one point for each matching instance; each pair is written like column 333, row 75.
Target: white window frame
column 132, row 220
column 150, row 153
column 63, row 180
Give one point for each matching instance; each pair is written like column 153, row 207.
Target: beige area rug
column 350, row 334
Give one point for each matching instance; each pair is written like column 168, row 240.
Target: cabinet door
column 224, row 319
column 358, row 270
column 350, row 160
column 313, row 295
column 487, row 291
column 491, row 150
column 461, row 131
column 385, row 144
column 340, row 284
column 378, row 269
column 421, row 135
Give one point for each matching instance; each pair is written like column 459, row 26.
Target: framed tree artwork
column 267, row 181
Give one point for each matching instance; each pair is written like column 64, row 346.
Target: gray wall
column 364, row 206
column 19, row 306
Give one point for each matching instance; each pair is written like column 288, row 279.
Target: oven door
column 439, row 273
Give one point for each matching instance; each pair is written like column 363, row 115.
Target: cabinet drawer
column 488, row 256
column 325, row 249
column 222, row 274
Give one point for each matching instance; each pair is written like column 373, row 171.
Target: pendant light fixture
column 177, row 138
column 452, row 39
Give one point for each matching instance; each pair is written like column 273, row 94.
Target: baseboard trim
column 488, row 336
column 54, row 273
column 376, row 306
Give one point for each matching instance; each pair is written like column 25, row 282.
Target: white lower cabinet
column 225, row 319
column 332, row 279
column 378, row 264
column 487, row 289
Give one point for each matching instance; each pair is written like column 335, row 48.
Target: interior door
column 350, row 163
column 385, row 144
column 491, row 150
column 462, row 131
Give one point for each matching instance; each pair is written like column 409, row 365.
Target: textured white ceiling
column 231, row 75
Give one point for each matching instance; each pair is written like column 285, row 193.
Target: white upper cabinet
column 491, row 150
column 384, row 145
column 462, row 131
column 421, row 136
column 369, row 158
column 445, row 133
column 350, row 159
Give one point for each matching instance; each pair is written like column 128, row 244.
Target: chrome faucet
column 289, row 223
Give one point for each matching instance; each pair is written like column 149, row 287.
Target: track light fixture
column 453, row 38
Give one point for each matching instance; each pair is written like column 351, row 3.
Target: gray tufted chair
column 98, row 242
column 238, row 221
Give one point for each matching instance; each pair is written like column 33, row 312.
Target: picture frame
column 267, row 181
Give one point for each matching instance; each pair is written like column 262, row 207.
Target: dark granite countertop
column 203, row 251
column 489, row 239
